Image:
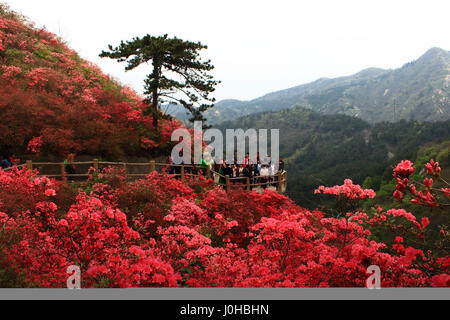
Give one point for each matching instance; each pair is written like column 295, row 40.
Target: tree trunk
column 155, row 107
column 156, row 74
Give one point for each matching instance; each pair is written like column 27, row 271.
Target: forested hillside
column 326, row 149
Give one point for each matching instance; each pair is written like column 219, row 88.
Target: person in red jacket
column 246, row 160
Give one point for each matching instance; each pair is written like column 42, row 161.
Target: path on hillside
column 140, row 170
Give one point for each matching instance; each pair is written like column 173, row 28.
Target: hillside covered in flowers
column 54, row 102
column 167, row 231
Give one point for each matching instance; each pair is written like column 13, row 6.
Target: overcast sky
column 257, row 46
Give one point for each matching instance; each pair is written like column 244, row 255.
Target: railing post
column 152, row 166
column 280, row 185
column 182, row 172
column 248, row 183
column 96, row 164
column 63, row 171
column 208, row 172
column 125, row 169
column 285, row 180
column 227, row 179
column 29, row 164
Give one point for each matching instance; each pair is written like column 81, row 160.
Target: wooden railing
column 59, row 171
column 279, row 181
column 17, row 167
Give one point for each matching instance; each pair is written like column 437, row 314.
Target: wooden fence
column 134, row 171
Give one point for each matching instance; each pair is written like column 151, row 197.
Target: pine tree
column 170, row 56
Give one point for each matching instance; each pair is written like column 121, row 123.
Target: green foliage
column 42, row 51
column 368, row 183
column 435, row 150
column 169, row 56
column 326, row 149
column 443, row 156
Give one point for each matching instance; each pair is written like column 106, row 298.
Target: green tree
column 368, row 183
column 190, row 85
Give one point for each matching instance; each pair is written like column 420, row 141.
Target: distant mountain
column 326, row 149
column 417, row 91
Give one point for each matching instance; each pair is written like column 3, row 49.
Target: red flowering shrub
column 22, row 189
column 158, row 232
column 150, row 200
column 235, row 212
column 426, row 193
column 54, row 102
column 92, row 235
column 35, row 145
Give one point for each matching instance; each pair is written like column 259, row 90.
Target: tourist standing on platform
column 265, row 175
column 69, row 167
column 6, row 162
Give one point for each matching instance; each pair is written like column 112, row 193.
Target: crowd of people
column 265, row 174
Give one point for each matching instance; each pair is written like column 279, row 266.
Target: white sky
column 257, row 46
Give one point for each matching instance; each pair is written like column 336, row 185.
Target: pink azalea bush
column 163, row 232
column 54, row 102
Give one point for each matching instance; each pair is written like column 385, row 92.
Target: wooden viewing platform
column 142, row 169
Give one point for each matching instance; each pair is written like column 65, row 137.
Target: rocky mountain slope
column 417, row 91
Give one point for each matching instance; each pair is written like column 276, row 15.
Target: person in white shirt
column 265, row 174
column 272, row 173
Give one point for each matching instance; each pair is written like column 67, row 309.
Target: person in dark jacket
column 281, row 165
column 6, row 163
column 68, row 164
column 247, row 173
column 170, row 167
column 228, row 171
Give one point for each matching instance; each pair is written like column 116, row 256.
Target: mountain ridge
column 416, row 91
